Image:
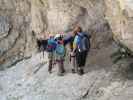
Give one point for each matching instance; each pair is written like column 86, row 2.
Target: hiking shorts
column 59, row 58
column 81, row 58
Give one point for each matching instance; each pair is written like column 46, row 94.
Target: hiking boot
column 60, row 74
column 63, row 71
column 73, row 71
column 49, row 71
column 80, row 72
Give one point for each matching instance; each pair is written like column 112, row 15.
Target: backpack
column 60, row 49
column 51, row 45
column 84, row 43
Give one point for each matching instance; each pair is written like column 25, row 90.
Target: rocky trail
column 29, row 80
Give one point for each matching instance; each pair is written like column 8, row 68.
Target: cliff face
column 18, row 20
column 15, row 34
column 60, row 15
column 119, row 14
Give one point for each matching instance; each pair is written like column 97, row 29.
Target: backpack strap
column 80, row 35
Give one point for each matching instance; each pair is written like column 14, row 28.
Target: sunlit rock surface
column 119, row 14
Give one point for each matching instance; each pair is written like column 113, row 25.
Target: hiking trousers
column 73, row 62
column 81, row 58
column 60, row 63
column 61, row 69
column 50, row 61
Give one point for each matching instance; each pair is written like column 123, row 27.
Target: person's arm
column 67, row 39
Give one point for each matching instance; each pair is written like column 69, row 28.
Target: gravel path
column 29, row 80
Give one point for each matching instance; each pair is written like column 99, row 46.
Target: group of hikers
column 78, row 44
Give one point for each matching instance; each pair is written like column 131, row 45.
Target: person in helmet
column 60, row 53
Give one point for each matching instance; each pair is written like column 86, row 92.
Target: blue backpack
column 84, row 42
column 60, row 49
column 51, row 46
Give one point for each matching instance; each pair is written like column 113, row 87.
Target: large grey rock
column 15, row 32
column 4, row 26
column 119, row 14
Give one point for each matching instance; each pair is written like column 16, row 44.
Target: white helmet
column 57, row 36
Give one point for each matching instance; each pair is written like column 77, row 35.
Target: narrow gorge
column 23, row 71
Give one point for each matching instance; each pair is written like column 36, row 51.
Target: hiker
column 60, row 52
column 69, row 39
column 41, row 43
column 51, row 45
column 56, row 53
column 81, row 46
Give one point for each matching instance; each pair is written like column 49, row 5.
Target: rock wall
column 119, row 14
column 16, row 39
column 61, row 15
column 18, row 20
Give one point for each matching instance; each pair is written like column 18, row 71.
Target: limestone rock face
column 18, row 20
column 119, row 14
column 15, row 34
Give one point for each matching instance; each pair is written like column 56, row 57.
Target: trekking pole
column 70, row 58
